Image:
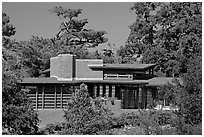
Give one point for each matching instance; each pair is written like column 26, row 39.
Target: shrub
column 143, row 120
column 150, row 122
column 52, row 128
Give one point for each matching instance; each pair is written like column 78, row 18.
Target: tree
column 165, row 33
column 36, row 52
column 128, row 53
column 109, row 54
column 187, row 95
column 83, row 117
column 73, row 37
column 191, row 93
column 35, row 55
column 18, row 116
column 7, row 28
column 169, row 34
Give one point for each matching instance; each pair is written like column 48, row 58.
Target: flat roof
column 136, row 66
column 56, row 81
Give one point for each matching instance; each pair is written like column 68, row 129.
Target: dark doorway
column 130, row 97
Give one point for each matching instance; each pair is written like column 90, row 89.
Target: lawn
column 48, row 116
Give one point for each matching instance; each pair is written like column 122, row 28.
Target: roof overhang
column 154, row 82
column 122, row 66
column 27, row 81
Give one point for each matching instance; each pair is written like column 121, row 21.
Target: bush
column 150, row 122
column 52, row 128
column 128, row 130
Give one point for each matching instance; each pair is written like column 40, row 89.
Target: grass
column 48, row 116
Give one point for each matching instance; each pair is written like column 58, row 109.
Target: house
column 132, row 86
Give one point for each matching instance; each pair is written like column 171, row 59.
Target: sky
column 33, row 18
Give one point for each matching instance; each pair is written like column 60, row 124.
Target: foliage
column 169, row 93
column 191, row 93
column 187, row 96
column 73, row 37
column 83, row 117
column 34, row 54
column 169, row 34
column 20, row 120
column 147, row 122
column 164, row 33
column 52, row 128
column 128, row 130
column 109, row 54
column 7, row 28
column 18, row 117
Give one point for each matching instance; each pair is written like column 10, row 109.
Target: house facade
column 132, row 86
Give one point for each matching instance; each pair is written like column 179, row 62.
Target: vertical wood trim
column 55, row 96
column 142, row 97
column 36, row 105
column 135, row 97
column 113, row 91
column 61, row 98
column 133, row 93
column 122, row 99
column 107, row 91
column 149, row 97
column 43, row 88
column 101, row 90
column 140, row 94
column 95, row 90
column 145, row 98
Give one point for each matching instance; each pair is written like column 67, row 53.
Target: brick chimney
column 63, row 66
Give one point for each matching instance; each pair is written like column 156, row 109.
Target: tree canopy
column 164, row 33
column 18, row 116
column 73, row 36
column 170, row 34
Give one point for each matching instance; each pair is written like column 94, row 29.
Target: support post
column 113, row 91
column 149, row 97
column 140, row 96
column 101, row 90
column 43, row 88
column 107, row 91
column 95, row 90
column 36, row 100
